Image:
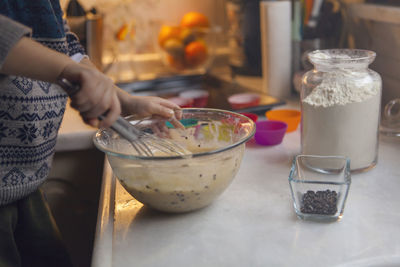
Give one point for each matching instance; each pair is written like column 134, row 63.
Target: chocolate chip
column 320, row 202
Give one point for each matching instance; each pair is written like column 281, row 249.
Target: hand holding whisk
column 143, row 142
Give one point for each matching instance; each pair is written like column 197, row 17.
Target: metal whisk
column 141, row 141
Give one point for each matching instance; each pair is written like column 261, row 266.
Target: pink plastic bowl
column 269, row 133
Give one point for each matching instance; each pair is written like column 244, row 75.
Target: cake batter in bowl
column 216, row 141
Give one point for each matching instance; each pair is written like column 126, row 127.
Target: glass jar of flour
column 340, row 103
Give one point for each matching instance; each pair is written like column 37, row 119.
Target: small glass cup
column 390, row 123
column 319, row 186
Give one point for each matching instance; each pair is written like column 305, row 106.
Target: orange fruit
column 187, row 35
column 196, row 53
column 168, row 32
column 194, row 19
column 122, row 32
column 176, row 62
column 133, row 32
column 174, row 47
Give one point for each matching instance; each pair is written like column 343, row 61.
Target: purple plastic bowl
column 269, row 132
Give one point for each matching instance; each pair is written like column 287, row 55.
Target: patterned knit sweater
column 30, row 111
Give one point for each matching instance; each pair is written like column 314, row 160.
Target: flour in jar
column 341, row 117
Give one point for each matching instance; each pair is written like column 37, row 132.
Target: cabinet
column 73, row 190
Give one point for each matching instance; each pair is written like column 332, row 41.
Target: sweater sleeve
column 10, row 33
column 74, row 46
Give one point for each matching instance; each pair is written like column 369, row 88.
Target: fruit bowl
column 183, row 183
column 189, row 46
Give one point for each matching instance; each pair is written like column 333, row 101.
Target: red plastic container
column 200, row 97
column 245, row 100
column 182, row 102
column 252, row 116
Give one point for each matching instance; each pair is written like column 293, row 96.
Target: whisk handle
column 70, row 88
column 125, row 129
column 121, row 126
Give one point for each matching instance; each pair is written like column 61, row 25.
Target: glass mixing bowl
column 176, row 183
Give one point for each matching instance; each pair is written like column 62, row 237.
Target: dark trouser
column 29, row 235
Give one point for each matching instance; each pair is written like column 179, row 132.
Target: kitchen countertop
column 253, row 222
column 74, row 134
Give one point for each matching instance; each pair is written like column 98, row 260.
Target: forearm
column 125, row 100
column 143, row 106
column 31, row 59
column 124, row 97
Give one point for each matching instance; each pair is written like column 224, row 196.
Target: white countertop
column 74, row 134
column 253, row 222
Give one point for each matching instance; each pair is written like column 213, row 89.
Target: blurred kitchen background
column 124, row 38
column 136, row 55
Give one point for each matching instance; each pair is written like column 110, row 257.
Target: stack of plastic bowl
column 290, row 116
column 279, row 122
column 269, row 133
